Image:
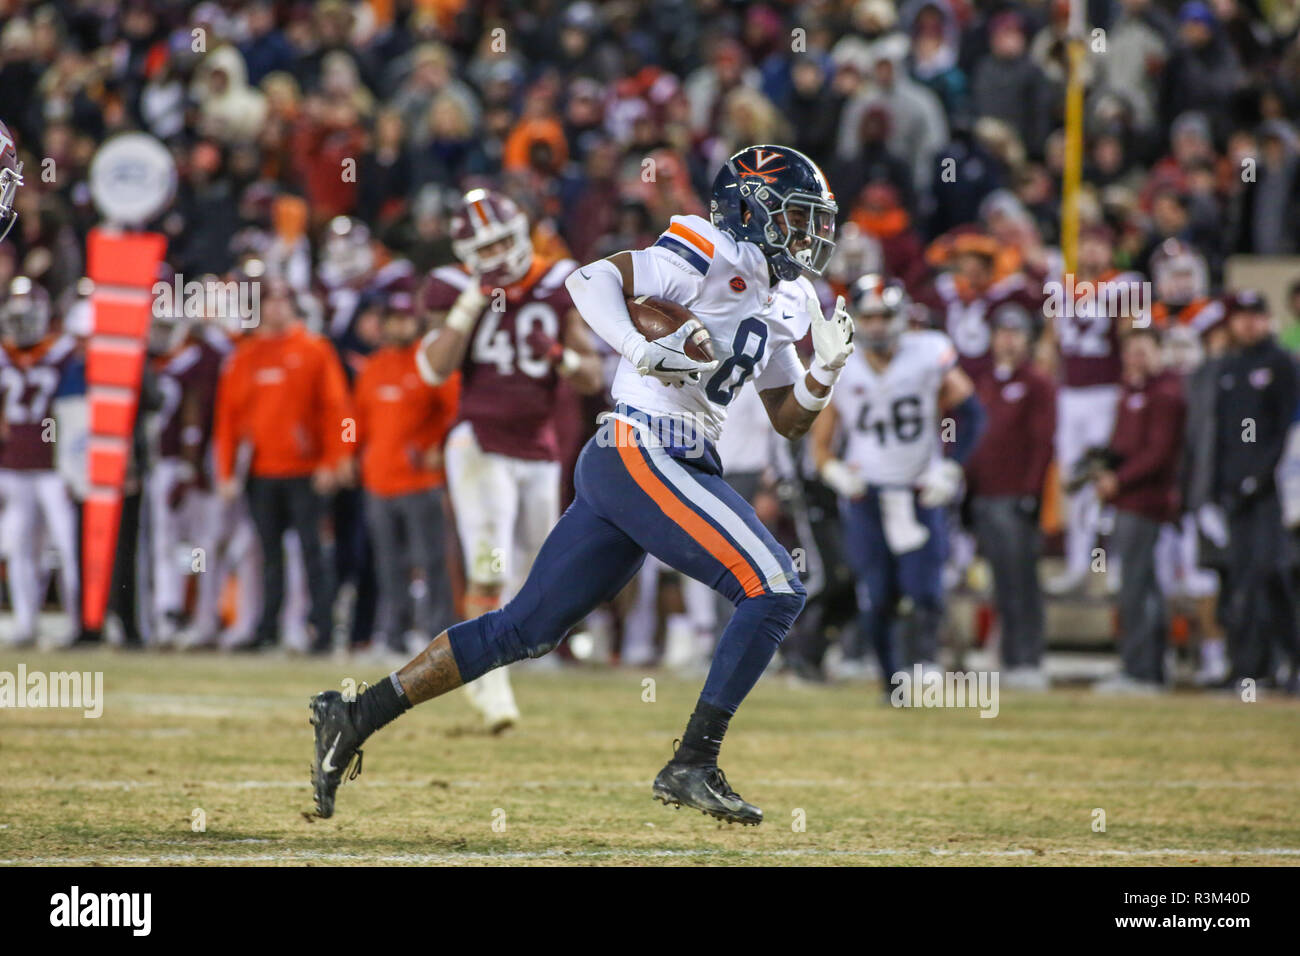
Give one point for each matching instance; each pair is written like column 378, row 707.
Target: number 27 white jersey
column 890, row 419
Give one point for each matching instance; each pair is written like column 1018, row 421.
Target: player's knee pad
column 781, row 608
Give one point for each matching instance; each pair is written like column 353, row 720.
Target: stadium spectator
column 936, row 41
column 1143, row 487
column 280, row 436
column 1008, row 85
column 401, row 426
column 1254, row 408
column 1004, row 479
column 1204, row 71
column 230, row 111
column 917, row 127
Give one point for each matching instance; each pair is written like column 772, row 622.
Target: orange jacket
column 284, row 396
column 528, row 131
column 399, row 418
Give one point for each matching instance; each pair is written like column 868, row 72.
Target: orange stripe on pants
column 703, row 533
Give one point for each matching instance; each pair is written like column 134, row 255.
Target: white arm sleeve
column 597, row 293
column 784, row 367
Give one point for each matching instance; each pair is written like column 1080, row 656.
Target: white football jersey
column 753, row 324
column 890, row 419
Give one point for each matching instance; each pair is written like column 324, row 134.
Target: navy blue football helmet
column 791, row 209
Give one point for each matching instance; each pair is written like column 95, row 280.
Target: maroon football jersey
column 507, row 389
column 187, row 381
column 970, row 324
column 29, row 379
column 1089, row 337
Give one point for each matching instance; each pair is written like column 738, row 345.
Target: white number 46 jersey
column 753, row 324
column 890, row 419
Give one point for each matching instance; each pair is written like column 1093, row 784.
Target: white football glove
column 1213, row 524
column 665, row 358
column 843, row 479
column 940, row 483
column 467, row 308
column 832, row 338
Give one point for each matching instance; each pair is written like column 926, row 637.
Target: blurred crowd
column 324, row 146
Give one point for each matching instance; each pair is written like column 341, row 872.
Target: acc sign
column 132, row 179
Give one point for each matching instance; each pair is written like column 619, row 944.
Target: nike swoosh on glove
column 665, row 358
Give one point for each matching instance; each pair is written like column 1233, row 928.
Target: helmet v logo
column 762, row 158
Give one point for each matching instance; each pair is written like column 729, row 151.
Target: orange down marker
column 124, row 268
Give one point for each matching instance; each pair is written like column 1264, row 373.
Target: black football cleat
column 338, row 749
column 706, row 789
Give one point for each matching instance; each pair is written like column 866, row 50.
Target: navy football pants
column 632, row 498
column 883, row 578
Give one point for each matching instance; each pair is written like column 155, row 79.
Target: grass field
column 1183, row 779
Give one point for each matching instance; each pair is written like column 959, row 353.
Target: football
column 655, row 317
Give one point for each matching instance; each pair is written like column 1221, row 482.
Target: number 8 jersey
column 890, row 419
column 754, row 325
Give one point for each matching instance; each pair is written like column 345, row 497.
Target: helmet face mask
column 11, row 177
column 10, row 180
column 504, row 256
column 777, row 198
column 491, row 237
column 873, row 298
column 1180, row 275
column 808, row 236
column 25, row 318
column 347, row 255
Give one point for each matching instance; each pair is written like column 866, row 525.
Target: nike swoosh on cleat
column 327, row 764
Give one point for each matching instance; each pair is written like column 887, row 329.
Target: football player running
column 505, row 319
column 893, row 474
column 650, row 480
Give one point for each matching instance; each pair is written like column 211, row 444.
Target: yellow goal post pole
column 1072, row 174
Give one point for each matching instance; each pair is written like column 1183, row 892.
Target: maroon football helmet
column 11, row 177
column 489, row 233
column 1179, row 273
column 26, row 313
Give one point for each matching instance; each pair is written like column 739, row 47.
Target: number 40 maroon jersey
column 508, row 381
